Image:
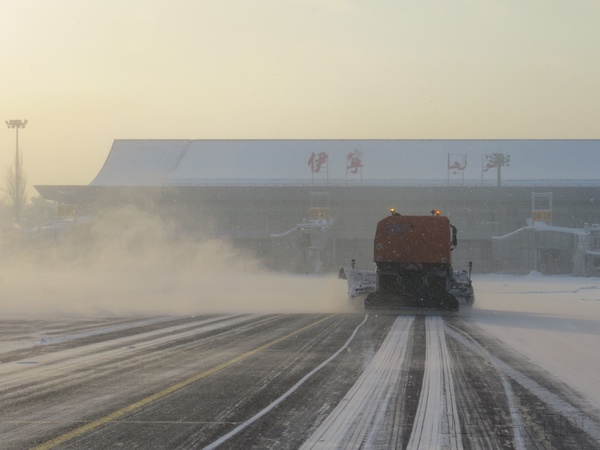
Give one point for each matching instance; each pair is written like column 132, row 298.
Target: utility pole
column 16, row 124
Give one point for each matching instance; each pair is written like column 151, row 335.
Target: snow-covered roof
column 232, row 162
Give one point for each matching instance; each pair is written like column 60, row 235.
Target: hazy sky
column 86, row 72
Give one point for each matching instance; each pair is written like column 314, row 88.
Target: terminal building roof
column 178, row 162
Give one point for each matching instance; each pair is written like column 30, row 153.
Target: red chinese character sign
column 354, row 163
column 316, row 162
column 494, row 160
column 457, row 163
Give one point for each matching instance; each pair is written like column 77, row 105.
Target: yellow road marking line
column 158, row 395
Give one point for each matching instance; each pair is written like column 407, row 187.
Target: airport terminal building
column 312, row 205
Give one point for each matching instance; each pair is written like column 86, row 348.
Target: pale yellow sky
column 86, row 72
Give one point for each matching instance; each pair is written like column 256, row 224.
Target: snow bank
column 554, row 321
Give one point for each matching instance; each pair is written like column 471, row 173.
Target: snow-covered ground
column 553, row 320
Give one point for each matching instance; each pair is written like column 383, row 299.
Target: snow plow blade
column 393, row 302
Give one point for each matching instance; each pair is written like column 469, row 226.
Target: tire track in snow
column 289, row 392
column 354, row 422
column 64, row 362
column 436, row 423
column 574, row 416
column 518, row 431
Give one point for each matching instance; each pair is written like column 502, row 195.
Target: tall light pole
column 16, row 124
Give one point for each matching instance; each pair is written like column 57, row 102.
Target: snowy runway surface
column 553, row 321
column 492, row 380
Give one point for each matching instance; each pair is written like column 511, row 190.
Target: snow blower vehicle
column 412, row 255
